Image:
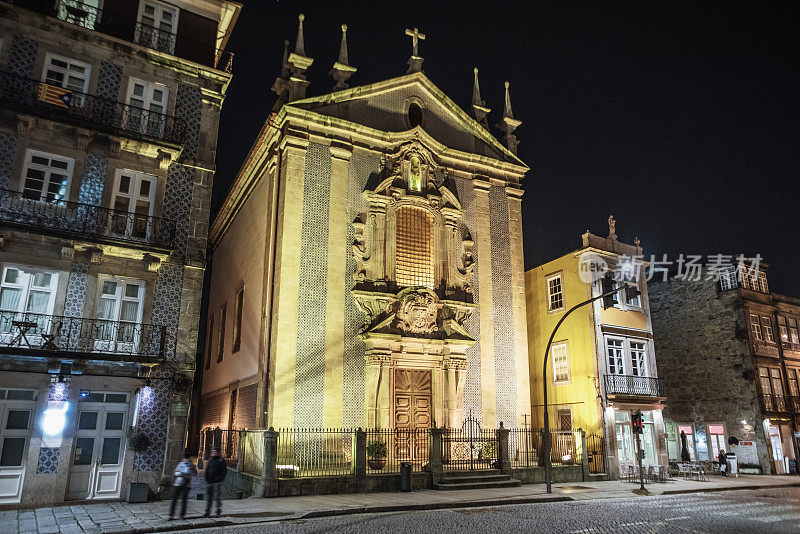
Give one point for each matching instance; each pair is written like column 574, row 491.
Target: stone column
column 269, row 471
column 377, row 378
column 485, row 306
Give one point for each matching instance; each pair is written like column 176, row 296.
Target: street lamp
column 609, row 290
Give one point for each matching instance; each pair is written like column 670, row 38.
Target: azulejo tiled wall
column 310, row 363
column 94, row 176
column 109, row 77
column 503, row 309
column 471, row 396
column 48, row 460
column 22, row 56
column 167, row 302
column 154, row 408
column 353, row 367
column 7, row 145
column 76, row 288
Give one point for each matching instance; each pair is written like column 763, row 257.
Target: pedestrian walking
column 723, row 462
column 180, row 488
column 216, row 469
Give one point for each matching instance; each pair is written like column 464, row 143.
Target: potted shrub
column 138, row 491
column 376, row 454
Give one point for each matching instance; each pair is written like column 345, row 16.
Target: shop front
column 625, row 441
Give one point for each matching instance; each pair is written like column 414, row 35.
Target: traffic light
column 631, row 292
column 607, row 283
column 636, row 422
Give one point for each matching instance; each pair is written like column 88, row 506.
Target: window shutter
column 119, row 18
column 196, row 38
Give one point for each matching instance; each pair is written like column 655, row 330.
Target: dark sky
column 681, row 119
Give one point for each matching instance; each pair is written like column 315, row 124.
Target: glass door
column 120, row 310
column 98, row 452
column 147, row 107
column 15, row 422
column 132, row 201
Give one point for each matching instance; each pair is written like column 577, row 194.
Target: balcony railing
column 37, row 334
column 780, row 403
column 92, row 18
column 97, row 223
column 92, row 111
column 634, row 385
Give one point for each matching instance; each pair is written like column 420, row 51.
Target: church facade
column 367, row 264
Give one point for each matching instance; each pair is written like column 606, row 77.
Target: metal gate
column 470, row 447
column 596, row 449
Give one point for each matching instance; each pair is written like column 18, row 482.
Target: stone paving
column 116, row 516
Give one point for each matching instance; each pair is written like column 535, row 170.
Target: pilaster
column 522, row 370
column 485, row 307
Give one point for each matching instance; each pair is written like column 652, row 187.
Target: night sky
column 681, row 119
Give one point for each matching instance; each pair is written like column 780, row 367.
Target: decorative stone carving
column 67, row 253
column 416, row 312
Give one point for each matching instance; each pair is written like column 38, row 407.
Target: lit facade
column 367, row 265
column 108, row 121
column 602, row 366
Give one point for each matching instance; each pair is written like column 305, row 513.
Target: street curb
column 434, row 506
column 748, row 487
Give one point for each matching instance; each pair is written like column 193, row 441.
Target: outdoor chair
column 651, row 474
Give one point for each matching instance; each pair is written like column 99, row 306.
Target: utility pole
column 630, row 293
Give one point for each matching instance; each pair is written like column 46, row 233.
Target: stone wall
column 705, row 361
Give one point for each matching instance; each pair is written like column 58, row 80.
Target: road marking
column 678, row 518
column 634, row 524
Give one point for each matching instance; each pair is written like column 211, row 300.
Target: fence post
column 584, row 455
column 269, row 470
column 502, row 445
column 360, row 450
column 435, row 455
column 240, row 452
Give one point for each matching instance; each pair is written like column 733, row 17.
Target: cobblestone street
column 754, row 511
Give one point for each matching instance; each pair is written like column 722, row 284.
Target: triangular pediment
column 383, row 106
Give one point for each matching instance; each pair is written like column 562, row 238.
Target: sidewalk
column 151, row 517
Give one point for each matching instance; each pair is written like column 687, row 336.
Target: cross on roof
column 415, row 38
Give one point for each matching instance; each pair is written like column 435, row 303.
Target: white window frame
column 550, row 294
column 620, row 359
column 755, row 327
column 48, row 170
column 120, row 297
column 641, row 362
column 159, row 8
column 766, row 326
column 49, row 57
column 144, row 120
column 794, row 336
column 559, row 354
column 762, row 282
column 136, row 179
column 27, row 274
column 783, row 332
column 727, row 278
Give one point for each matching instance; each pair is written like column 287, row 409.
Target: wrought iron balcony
column 90, row 111
column 639, row 386
column 78, row 13
column 96, row 223
column 33, row 334
column 780, row 403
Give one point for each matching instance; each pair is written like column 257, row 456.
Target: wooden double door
column 412, row 412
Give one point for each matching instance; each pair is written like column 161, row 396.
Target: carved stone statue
column 612, row 227
column 416, row 312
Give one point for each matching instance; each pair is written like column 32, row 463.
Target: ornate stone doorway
column 412, row 411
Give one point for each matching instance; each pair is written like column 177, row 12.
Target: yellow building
column 602, row 365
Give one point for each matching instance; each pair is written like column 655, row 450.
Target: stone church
column 368, row 263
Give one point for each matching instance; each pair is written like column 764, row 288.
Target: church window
column 237, row 320
column 415, row 175
column 414, row 246
column 414, row 114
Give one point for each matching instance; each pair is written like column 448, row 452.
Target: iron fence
column 52, row 213
column 315, row 452
column 387, row 448
column 53, row 333
column 470, row 448
column 39, row 97
column 226, row 440
column 596, row 451
column 526, row 447
column 634, row 385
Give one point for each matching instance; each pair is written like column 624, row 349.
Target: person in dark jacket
column 723, row 462
column 216, row 469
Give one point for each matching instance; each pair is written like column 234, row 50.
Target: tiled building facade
column 108, row 124
column 369, row 255
column 730, row 357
